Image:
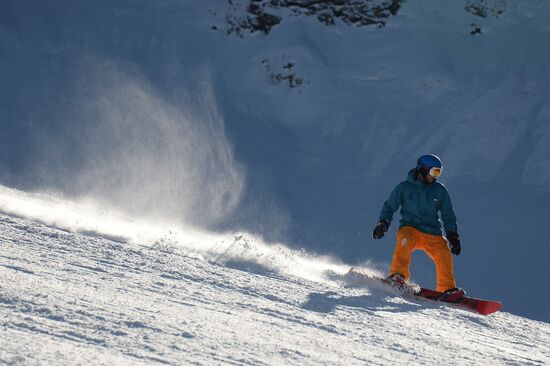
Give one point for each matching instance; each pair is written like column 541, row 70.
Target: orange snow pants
column 410, row 239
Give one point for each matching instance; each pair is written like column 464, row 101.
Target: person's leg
column 438, row 250
column 407, row 238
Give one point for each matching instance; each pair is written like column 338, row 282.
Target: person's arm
column 386, row 215
column 447, row 213
column 391, row 205
column 449, row 220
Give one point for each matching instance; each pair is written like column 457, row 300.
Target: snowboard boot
column 397, row 281
column 452, row 295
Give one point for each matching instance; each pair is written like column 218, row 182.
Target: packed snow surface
column 71, row 298
column 164, row 111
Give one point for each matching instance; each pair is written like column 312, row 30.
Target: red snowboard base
column 483, row 307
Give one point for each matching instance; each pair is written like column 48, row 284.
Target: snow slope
column 151, row 109
column 67, row 298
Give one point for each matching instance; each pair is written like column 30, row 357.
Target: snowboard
column 480, row 306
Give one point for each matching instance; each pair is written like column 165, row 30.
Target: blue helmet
column 428, row 161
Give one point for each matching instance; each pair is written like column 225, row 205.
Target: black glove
column 380, row 229
column 454, row 242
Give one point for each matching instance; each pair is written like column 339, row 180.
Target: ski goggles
column 435, row 172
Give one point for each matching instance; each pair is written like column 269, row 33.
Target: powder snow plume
column 235, row 249
column 120, row 141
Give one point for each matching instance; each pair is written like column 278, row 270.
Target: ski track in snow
column 68, row 299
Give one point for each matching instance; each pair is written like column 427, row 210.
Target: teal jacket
column 420, row 204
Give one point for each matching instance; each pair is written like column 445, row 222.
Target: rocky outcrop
column 263, row 15
column 284, row 73
column 485, row 8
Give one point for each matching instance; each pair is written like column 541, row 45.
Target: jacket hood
column 411, row 177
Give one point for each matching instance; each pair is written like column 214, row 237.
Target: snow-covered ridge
column 67, row 299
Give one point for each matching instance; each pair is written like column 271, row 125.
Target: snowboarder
column 422, row 198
